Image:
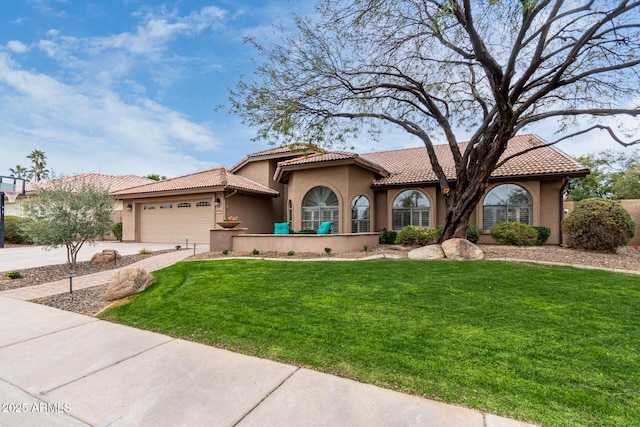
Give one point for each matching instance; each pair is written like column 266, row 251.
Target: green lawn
column 551, row 345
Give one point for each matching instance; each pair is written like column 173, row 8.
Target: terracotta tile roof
column 106, row 182
column 412, row 165
column 292, row 150
column 326, row 158
column 208, row 179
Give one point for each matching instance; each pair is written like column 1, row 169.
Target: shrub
column 514, row 233
column 144, row 251
column 415, row 236
column 178, row 247
column 291, row 253
column 365, row 248
column 14, row 230
column 473, row 232
column 598, row 225
column 255, row 252
column 543, row 235
column 327, row 251
column 13, row 274
column 388, row 237
column 225, row 252
column 117, row 231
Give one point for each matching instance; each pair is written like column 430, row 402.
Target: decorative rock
column 427, row 252
column 461, row 250
column 104, row 257
column 127, row 281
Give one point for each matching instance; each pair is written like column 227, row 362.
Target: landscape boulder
column 461, row 250
column 127, row 281
column 104, row 257
column 427, row 252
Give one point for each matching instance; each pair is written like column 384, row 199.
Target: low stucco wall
column 303, row 242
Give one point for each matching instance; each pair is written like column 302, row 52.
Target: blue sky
column 130, row 86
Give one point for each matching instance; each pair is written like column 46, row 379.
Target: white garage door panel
column 175, row 225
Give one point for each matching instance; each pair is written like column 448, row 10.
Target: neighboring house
column 106, row 182
column 364, row 193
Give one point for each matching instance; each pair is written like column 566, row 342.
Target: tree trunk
column 459, row 211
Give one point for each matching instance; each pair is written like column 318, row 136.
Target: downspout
column 561, row 196
column 231, row 194
column 225, row 197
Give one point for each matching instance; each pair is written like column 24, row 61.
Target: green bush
column 543, row 235
column 415, row 236
column 291, row 253
column 255, row 252
column 473, row 232
column 13, row 274
column 514, row 233
column 14, row 230
column 598, row 225
column 117, row 231
column 388, row 237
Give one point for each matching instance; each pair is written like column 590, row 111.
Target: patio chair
column 325, row 227
column 281, row 228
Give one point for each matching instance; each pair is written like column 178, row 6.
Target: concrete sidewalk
column 63, row 369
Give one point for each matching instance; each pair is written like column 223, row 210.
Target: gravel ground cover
column 91, row 301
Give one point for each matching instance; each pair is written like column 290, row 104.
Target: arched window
column 507, row 202
column 411, row 207
column 360, row 217
column 319, row 205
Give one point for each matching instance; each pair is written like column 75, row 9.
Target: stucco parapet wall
column 304, row 242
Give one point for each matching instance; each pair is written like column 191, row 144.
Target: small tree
column 69, row 214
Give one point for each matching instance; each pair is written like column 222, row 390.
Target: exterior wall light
column 129, row 207
column 217, row 203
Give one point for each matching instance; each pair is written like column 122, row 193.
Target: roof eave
column 522, row 177
column 283, row 171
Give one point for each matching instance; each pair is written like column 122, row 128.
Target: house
column 360, row 193
column 112, row 183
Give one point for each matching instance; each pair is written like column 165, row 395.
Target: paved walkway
column 81, row 282
column 59, row 368
column 19, row 257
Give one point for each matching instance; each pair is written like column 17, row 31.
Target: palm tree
column 38, row 171
column 19, row 172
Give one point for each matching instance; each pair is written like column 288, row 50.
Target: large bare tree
column 486, row 68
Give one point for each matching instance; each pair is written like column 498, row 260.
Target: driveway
column 16, row 258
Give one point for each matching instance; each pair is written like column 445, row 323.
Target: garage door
column 174, row 222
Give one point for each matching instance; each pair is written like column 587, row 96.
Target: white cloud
column 17, row 47
column 151, row 37
column 71, row 123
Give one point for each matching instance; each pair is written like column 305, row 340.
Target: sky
column 130, row 86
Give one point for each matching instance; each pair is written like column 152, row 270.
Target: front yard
column 551, row 345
